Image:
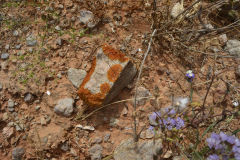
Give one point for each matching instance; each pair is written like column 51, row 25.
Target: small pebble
column 18, row 46
column 57, row 28
column 106, row 137
column 15, row 33
column 4, row 56
column 7, row 47
column 37, row 108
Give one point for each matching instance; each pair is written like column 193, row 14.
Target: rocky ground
column 46, row 50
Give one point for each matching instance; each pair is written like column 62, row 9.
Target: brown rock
column 110, row 72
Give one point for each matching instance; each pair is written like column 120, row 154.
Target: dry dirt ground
column 34, row 76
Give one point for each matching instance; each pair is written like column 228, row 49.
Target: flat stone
column 4, row 56
column 96, row 152
column 233, row 47
column 146, row 150
column 17, row 153
column 64, row 107
column 76, row 76
column 110, row 72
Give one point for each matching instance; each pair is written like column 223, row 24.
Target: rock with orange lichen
column 110, row 72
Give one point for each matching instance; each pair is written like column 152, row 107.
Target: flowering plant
column 225, row 147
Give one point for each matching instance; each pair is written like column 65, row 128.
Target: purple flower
column 237, row 156
column 213, row 157
column 170, row 111
column 231, row 139
column 236, row 149
column 237, row 142
column 179, row 123
column 223, row 136
column 214, row 141
column 151, row 128
column 190, row 75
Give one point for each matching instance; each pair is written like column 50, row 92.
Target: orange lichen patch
column 114, row 54
column 114, row 72
column 105, row 88
column 87, row 96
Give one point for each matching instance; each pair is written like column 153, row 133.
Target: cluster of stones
column 110, row 72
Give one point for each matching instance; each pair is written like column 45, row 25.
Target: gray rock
column 19, row 127
column 223, row 38
column 59, row 41
column 142, row 92
column 76, row 76
column 4, row 56
column 31, row 40
column 233, row 47
column 65, row 147
column 106, row 137
column 85, row 16
column 113, row 122
column 96, row 152
column 18, row 46
column 59, row 75
column 7, row 47
column 64, row 107
column 28, row 98
column 17, row 153
column 30, row 50
column 15, row 33
column 146, row 150
column 58, row 28
column 11, row 105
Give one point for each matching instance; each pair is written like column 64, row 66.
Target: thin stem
column 138, row 78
